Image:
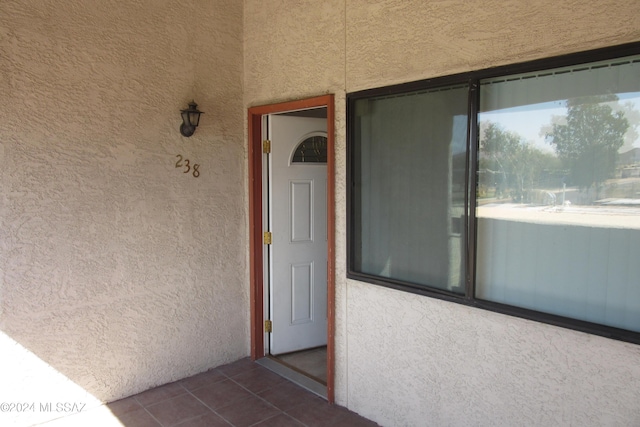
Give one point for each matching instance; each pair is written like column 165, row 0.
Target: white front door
column 297, row 219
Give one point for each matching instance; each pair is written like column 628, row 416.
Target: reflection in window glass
column 558, row 192
column 311, row 150
column 409, row 185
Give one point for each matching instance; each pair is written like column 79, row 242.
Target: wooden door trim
column 255, row 225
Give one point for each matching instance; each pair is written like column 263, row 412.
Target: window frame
column 469, row 227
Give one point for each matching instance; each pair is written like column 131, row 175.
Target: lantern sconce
column 190, row 119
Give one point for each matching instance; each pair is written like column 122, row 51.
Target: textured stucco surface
column 394, row 41
column 118, row 271
column 406, row 360
column 293, row 49
column 454, row 365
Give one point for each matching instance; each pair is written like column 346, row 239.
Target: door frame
column 256, row 261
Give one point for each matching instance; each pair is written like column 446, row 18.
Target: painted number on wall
column 187, row 166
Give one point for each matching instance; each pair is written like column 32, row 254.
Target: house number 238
column 188, row 167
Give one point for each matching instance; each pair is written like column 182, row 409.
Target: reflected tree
column 589, row 140
column 633, row 117
column 514, row 165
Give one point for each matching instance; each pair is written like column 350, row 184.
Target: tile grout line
column 282, row 411
column 264, row 400
column 160, row 401
column 234, row 402
column 157, row 420
column 226, row 377
column 207, row 406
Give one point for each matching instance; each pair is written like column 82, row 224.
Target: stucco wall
column 119, row 271
column 408, row 360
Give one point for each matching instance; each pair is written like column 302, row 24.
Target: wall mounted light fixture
column 190, row 119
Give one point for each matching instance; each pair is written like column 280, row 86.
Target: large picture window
column 410, row 186
column 515, row 189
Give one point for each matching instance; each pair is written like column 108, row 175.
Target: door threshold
column 294, row 376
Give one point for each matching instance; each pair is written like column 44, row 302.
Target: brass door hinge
column 266, row 146
column 267, row 237
column 268, row 326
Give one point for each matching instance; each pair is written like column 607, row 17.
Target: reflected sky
column 529, row 120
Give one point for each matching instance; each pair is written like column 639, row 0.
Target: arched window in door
column 312, row 149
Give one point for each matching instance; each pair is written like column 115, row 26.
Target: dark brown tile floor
column 240, row 394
